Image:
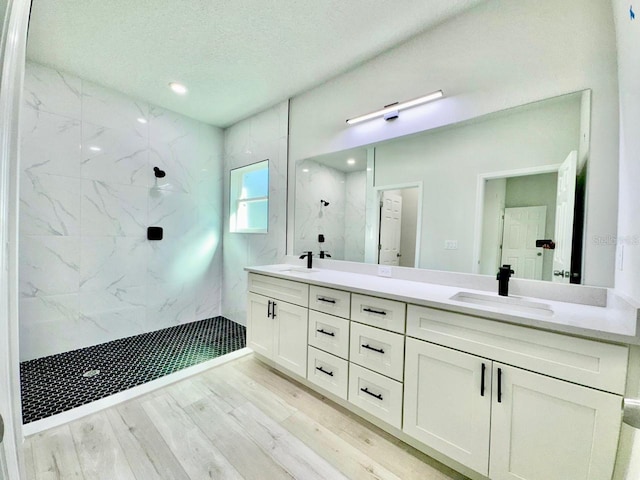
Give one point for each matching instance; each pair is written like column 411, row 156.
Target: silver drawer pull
column 376, row 395
column 324, row 371
column 369, row 347
column 371, row 310
column 328, row 300
column 331, row 334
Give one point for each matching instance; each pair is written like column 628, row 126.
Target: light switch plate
column 450, row 244
column 384, row 270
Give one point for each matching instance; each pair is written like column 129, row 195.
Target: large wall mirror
column 504, row 188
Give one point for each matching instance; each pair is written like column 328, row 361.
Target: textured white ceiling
column 237, row 57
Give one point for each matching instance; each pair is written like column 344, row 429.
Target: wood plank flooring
column 241, row 420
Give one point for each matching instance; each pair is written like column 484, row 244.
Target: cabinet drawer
column 378, row 312
column 329, row 333
column 586, row 362
column 285, row 290
column 328, row 371
column 377, row 350
column 377, row 394
column 329, row 300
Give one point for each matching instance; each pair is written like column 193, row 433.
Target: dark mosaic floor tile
column 54, row 384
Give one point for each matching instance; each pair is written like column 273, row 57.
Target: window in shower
column 249, row 198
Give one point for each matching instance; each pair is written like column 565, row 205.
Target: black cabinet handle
column 370, row 310
column 484, row 368
column 324, row 371
column 376, row 395
column 269, row 309
column 273, row 309
column 328, row 300
column 331, row 334
column 499, row 385
column 368, row 347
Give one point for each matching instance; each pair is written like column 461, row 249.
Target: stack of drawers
column 361, row 360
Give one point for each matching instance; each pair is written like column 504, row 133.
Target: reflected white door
column 565, row 204
column 522, row 227
column 390, row 228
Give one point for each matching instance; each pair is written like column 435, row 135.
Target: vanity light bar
column 396, row 107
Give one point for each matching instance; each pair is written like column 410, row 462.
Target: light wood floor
column 240, row 420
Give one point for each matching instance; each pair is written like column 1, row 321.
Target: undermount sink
column 507, row 303
column 298, row 270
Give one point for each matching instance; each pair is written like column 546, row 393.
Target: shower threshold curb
column 53, row 421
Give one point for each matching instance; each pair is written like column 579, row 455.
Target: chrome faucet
column 309, row 256
column 504, row 273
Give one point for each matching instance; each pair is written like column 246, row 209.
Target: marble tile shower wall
column 87, row 272
column 320, row 182
column 342, row 222
column 263, row 136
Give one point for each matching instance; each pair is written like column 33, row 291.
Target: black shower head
column 324, row 203
column 159, row 173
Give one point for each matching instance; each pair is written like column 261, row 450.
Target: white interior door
column 565, row 204
column 522, row 227
column 390, row 229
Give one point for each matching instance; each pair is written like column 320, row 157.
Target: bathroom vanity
column 499, row 388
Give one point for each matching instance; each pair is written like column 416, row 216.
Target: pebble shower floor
column 56, row 383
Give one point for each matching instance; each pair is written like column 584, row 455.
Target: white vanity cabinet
column 507, row 402
column 277, row 329
column 531, row 426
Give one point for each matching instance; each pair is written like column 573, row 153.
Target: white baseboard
column 121, row 397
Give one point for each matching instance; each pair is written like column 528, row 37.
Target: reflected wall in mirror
column 490, row 191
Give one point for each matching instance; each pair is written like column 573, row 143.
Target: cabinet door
column 290, row 340
column 260, row 327
column 445, row 406
column 548, row 429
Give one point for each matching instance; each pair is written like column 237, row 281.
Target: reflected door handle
column 1, row 429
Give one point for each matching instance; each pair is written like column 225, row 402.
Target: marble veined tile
column 111, row 209
column 171, row 304
column 49, row 143
column 113, row 262
column 49, row 204
column 115, row 156
column 175, row 212
column 112, row 299
column 109, row 108
column 179, row 158
column 211, row 141
column 49, row 90
column 49, row 265
column 167, row 126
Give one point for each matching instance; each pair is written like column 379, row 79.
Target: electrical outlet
column 384, row 270
column 450, row 244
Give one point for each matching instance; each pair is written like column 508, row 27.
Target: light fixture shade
column 397, row 107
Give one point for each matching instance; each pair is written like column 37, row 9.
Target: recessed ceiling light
column 305, row 170
column 142, row 120
column 178, row 88
column 93, row 148
column 351, row 161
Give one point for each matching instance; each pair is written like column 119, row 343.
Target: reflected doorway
column 398, row 226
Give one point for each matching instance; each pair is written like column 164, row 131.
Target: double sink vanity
column 495, row 387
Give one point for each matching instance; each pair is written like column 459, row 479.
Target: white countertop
column 617, row 322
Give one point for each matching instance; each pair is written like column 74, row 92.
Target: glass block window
column 249, row 200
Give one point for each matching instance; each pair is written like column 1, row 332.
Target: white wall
column 261, row 137
column 87, row 272
column 495, row 192
column 448, row 162
column 628, row 239
column 497, row 55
